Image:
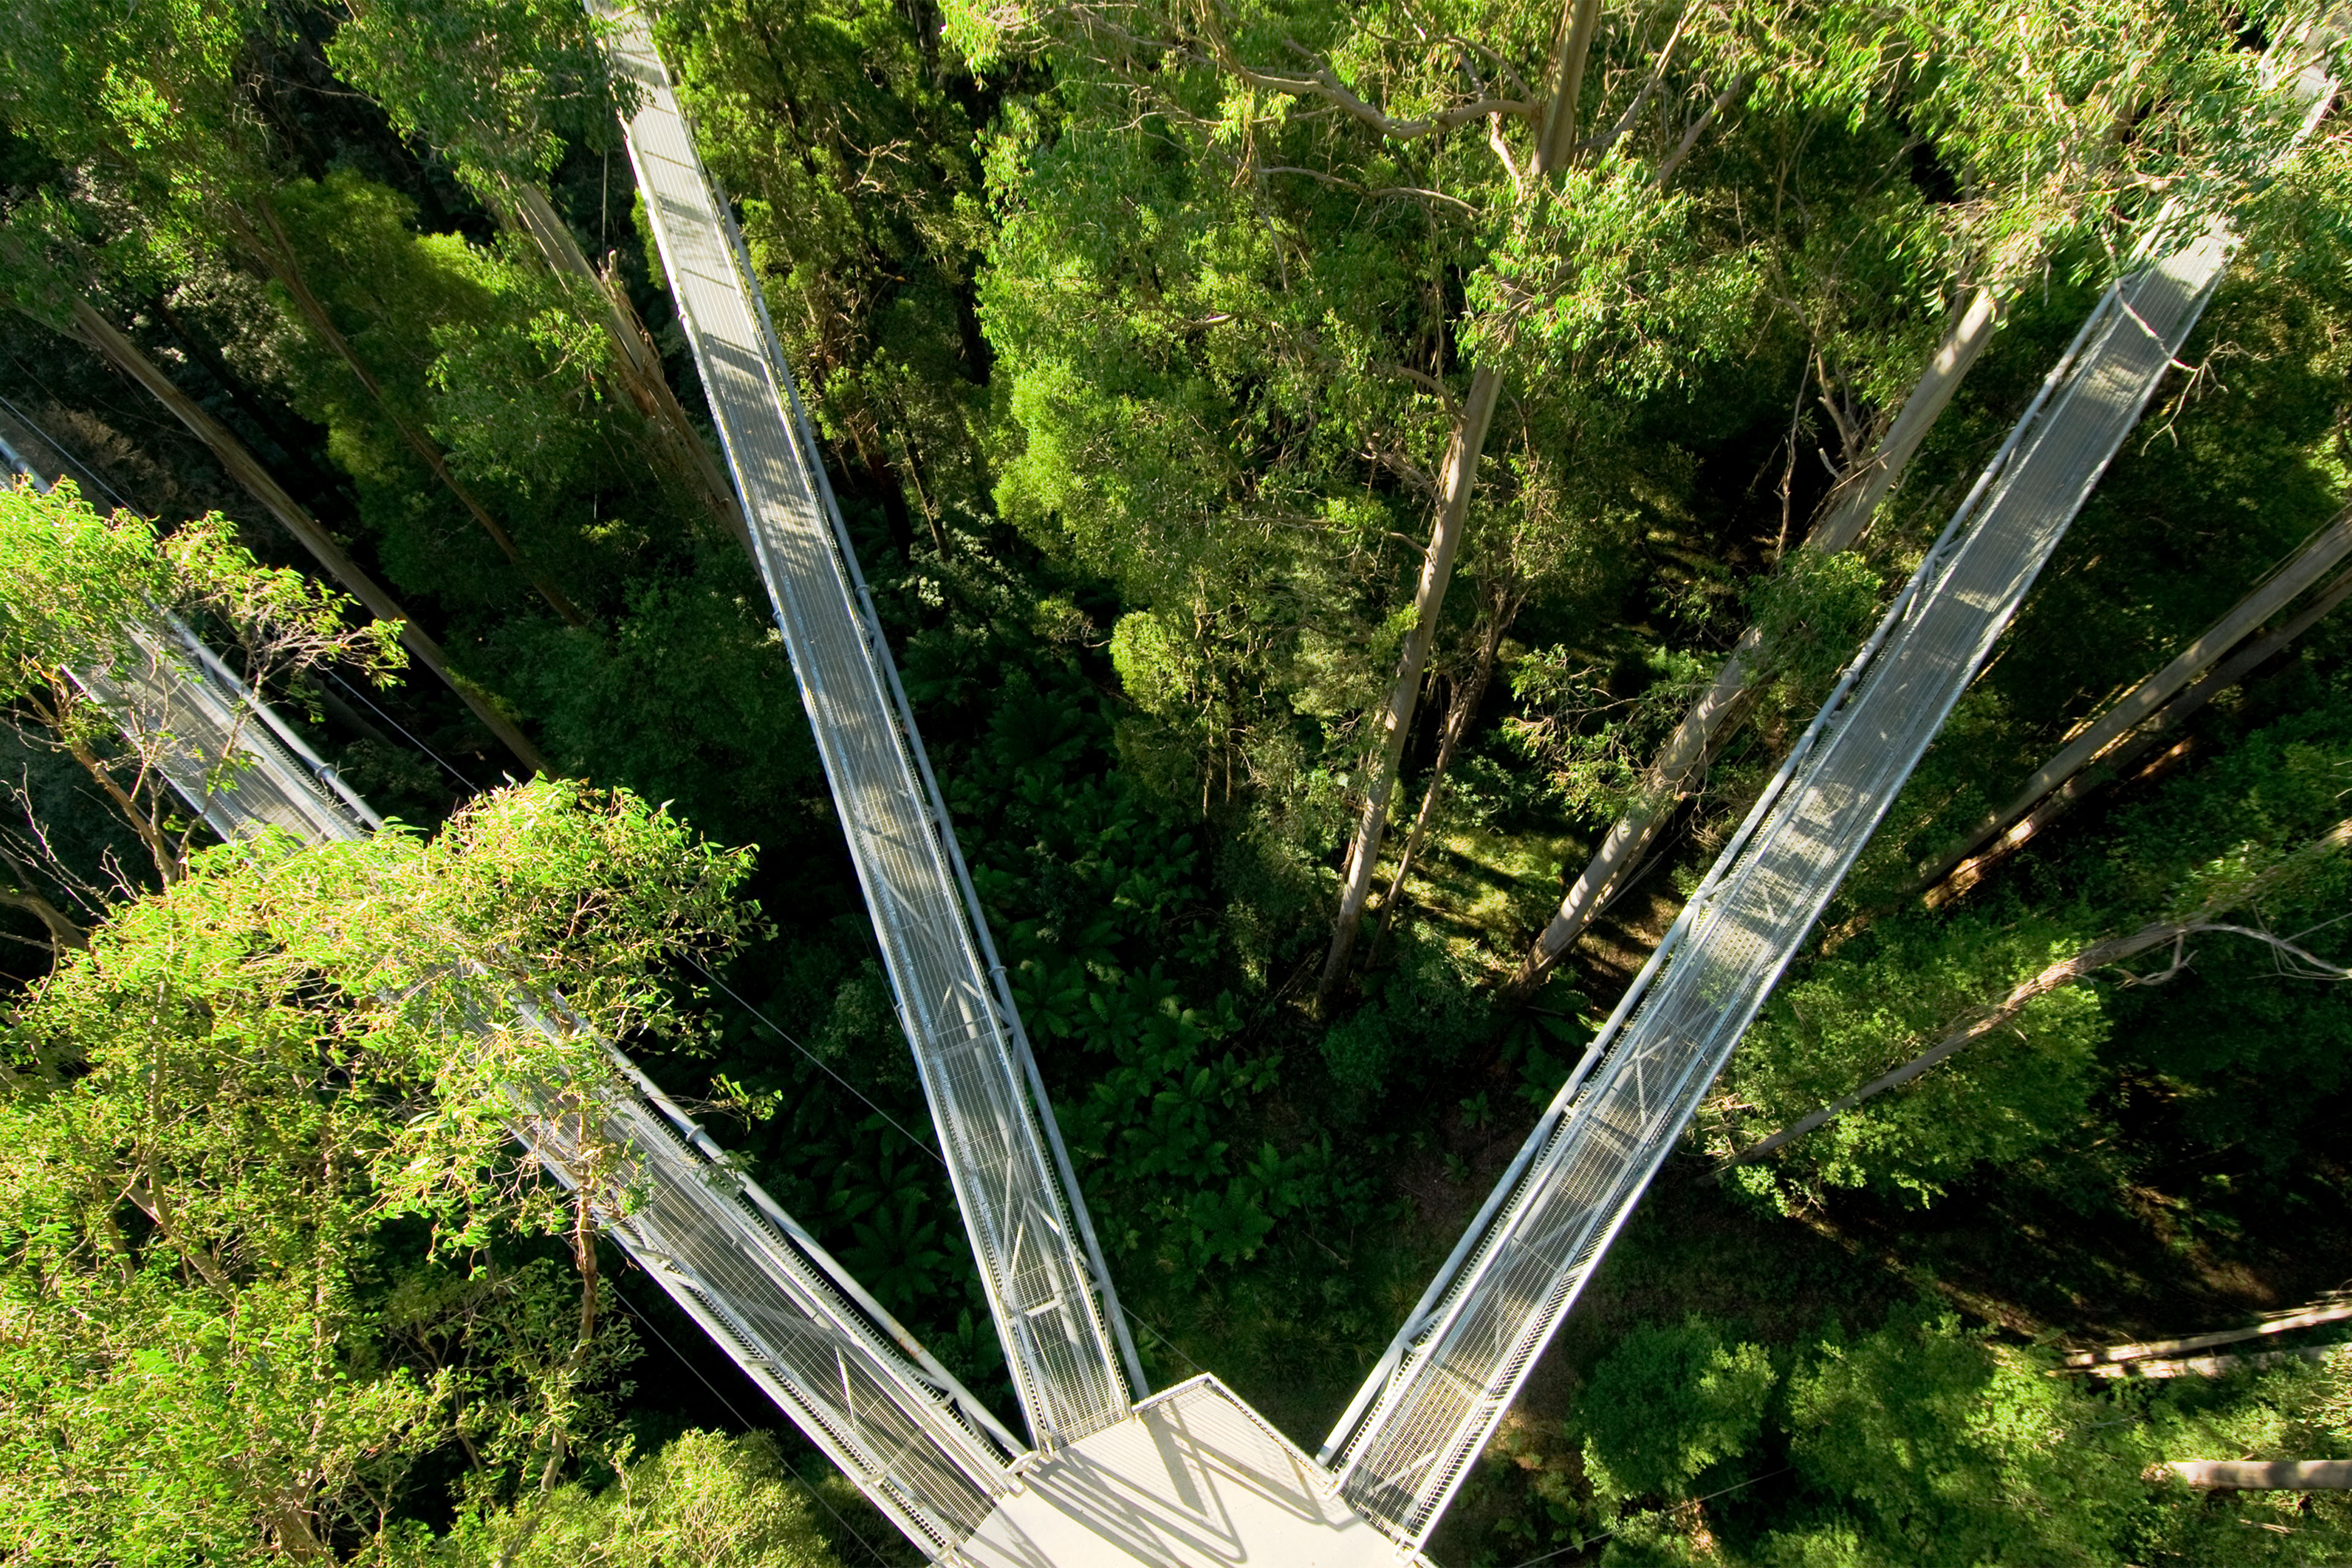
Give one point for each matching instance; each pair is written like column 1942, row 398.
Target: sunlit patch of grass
column 1494, row 887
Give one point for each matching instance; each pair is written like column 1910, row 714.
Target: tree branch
column 1326, row 85
column 2068, row 971
column 1722, row 100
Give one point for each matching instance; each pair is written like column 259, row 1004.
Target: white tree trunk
column 1460, row 475
column 1682, row 761
column 2318, row 556
column 1555, row 147
column 2265, row 1475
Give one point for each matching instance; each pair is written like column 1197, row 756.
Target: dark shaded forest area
column 1313, row 481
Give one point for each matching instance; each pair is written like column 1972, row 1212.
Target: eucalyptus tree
column 263, row 1197
column 845, row 129
column 83, row 599
column 266, row 1248
column 1336, row 244
column 1343, row 240
column 2174, row 932
column 2193, row 941
column 2095, row 133
column 2105, row 733
column 2131, row 751
column 154, row 113
column 37, row 295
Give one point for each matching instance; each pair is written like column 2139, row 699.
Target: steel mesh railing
column 1433, row 1402
column 1051, row 1297
column 895, row 1421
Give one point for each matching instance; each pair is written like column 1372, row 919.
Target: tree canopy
column 1362, row 499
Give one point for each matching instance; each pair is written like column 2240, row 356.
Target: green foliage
column 1171, row 305
column 517, row 379
column 1845, row 1021
column 1809, row 617
column 262, row 1205
column 1594, row 740
column 1948, row 1450
column 700, row 1498
column 847, row 131
column 1422, row 1009
column 82, row 604
column 1669, row 1406
column 501, row 89
column 1846, row 1017
column 77, row 588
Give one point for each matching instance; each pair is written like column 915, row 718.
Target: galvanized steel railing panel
column 894, row 1420
column 1435, row 1399
column 1021, row 1207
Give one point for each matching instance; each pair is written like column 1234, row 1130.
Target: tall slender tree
column 153, row 109
column 501, row 91
column 2027, row 111
column 1570, row 133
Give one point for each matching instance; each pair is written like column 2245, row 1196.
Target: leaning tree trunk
column 2315, row 559
column 232, row 455
column 2068, row 971
column 1396, row 720
column 276, row 254
column 2263, row 1474
column 2119, row 763
column 1682, row 762
column 678, row 447
column 1554, row 146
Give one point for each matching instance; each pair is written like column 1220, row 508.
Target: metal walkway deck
column 1052, row 1302
column 1437, row 1395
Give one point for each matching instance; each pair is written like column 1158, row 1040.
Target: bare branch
column 1428, row 384
column 1722, row 100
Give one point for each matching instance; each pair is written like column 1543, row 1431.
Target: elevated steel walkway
column 1190, row 1477
column 1064, row 1336
column 1434, row 1398
column 1405, row 1443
